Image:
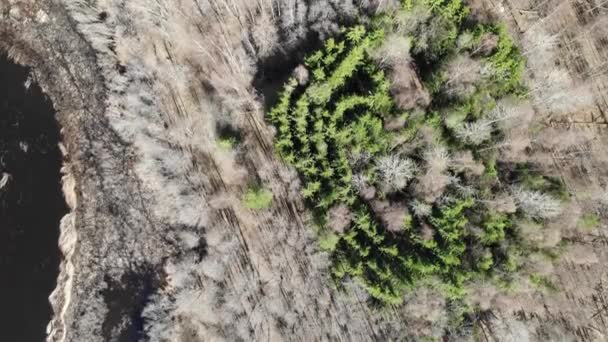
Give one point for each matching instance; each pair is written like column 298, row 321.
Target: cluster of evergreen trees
column 320, row 124
column 341, row 111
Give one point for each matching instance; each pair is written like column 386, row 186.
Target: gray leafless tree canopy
column 395, row 172
column 536, row 205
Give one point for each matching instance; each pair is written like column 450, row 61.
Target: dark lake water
column 31, row 205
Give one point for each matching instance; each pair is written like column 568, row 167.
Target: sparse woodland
column 353, row 170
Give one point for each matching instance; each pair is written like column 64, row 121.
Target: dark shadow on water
column 31, row 205
column 126, row 300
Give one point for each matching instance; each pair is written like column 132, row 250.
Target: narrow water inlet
column 31, row 204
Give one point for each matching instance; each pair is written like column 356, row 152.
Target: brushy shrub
column 226, row 143
column 257, row 198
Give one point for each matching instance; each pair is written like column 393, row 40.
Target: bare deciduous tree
column 479, row 131
column 265, row 35
column 360, row 181
column 475, row 132
column 358, row 160
column 302, row 75
column 488, row 44
column 361, row 184
column 437, row 159
column 428, row 35
column 462, row 74
column 535, row 204
column 420, row 209
column 406, row 86
column 502, row 203
column 552, row 87
column 464, row 162
column 409, row 22
column 558, row 92
column 540, row 44
column 465, row 40
column 395, row 49
column 395, row 172
column 391, row 214
column 339, row 218
column 385, row 5
column 432, row 184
